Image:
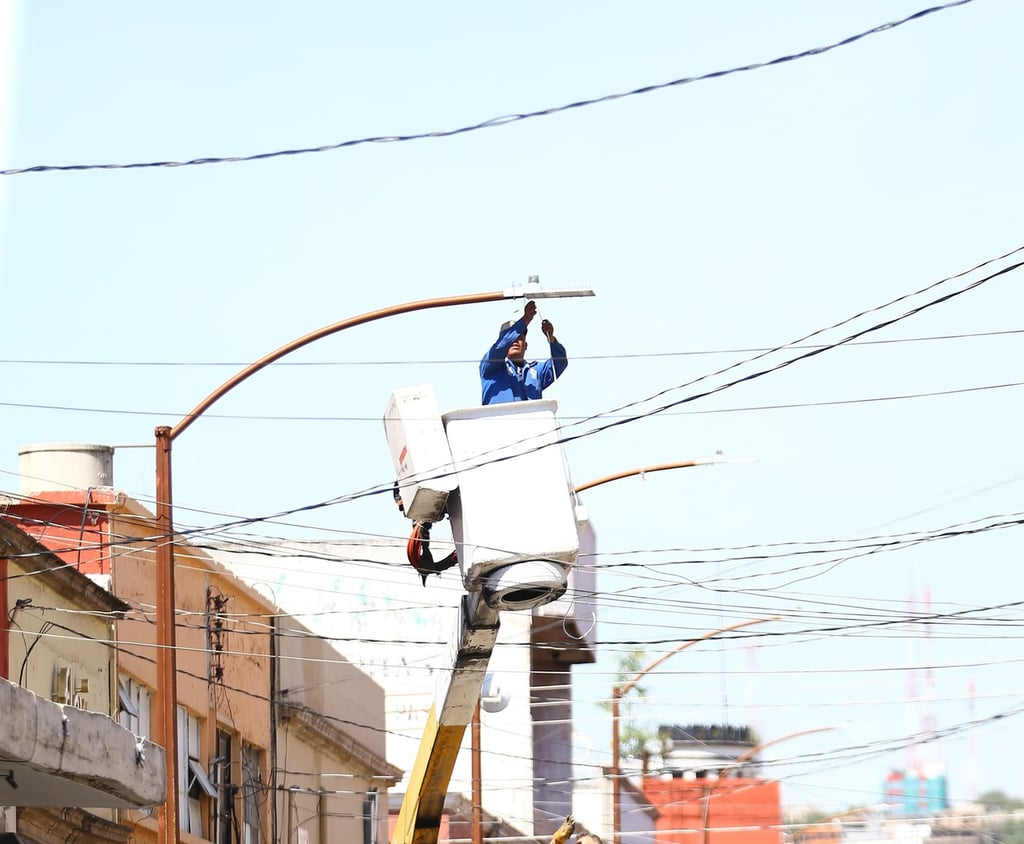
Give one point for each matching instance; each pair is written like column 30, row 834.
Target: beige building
column 333, row 778
column 66, row 767
column 279, row 737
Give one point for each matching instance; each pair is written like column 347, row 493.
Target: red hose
column 414, row 548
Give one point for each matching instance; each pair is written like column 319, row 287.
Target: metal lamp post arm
column 661, row 467
column 625, row 688
column 737, row 762
column 752, row 752
column 620, row 690
column 326, row 331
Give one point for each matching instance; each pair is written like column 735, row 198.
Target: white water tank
column 50, row 467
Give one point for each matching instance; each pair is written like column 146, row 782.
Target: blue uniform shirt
column 502, row 381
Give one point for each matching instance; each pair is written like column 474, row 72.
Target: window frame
column 135, row 706
column 252, row 787
column 193, row 780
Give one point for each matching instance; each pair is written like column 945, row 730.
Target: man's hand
column 529, row 312
column 549, row 330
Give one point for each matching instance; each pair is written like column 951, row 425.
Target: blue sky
column 714, row 220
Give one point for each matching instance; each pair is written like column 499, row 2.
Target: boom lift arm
column 420, row 817
column 466, row 464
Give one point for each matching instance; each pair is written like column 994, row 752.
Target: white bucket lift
column 512, row 507
column 515, row 504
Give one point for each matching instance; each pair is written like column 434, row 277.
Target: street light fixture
column 167, row 683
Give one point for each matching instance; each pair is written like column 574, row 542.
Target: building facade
column 262, row 755
column 712, row 810
column 707, row 789
column 66, row 766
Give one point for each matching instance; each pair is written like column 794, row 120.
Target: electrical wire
column 562, row 417
column 464, row 362
column 858, row 752
column 564, row 438
column 871, row 545
column 503, row 120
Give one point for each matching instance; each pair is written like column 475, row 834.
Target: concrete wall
column 39, row 650
column 65, row 749
column 225, row 669
column 334, row 776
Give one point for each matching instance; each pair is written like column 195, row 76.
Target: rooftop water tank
column 48, row 467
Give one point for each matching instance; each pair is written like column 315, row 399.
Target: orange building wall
column 59, row 524
column 739, row 810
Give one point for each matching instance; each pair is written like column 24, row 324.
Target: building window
column 134, row 707
column 371, row 821
column 225, row 811
column 252, row 792
column 193, row 781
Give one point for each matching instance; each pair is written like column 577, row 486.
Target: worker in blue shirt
column 506, row 375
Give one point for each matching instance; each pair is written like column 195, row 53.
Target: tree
column 998, row 801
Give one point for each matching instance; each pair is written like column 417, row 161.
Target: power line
column 463, row 362
column 503, row 120
column 953, row 391
column 616, row 421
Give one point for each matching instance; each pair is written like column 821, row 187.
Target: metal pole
column 620, row 690
column 5, row 651
column 476, row 832
column 705, row 814
column 166, row 655
column 616, row 771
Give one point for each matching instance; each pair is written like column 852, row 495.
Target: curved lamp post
column 738, row 762
column 620, row 690
column 167, row 682
column 750, row 754
column 476, row 834
column 660, row 467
